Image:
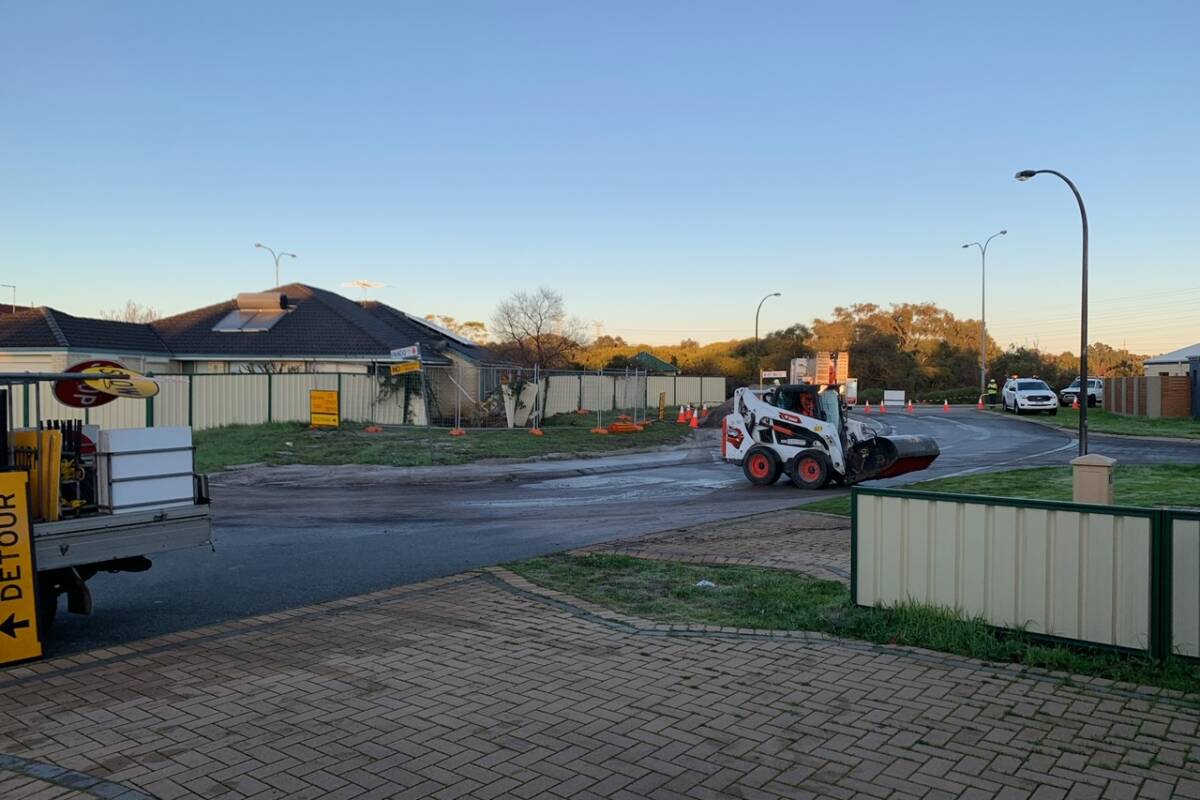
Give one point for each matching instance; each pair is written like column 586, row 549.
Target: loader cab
column 825, row 403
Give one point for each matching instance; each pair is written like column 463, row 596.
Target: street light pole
column 1025, row 175
column 983, row 310
column 276, row 256
column 757, row 377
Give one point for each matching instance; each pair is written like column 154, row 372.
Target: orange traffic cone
column 910, row 407
column 536, row 432
column 682, row 418
column 882, row 407
column 703, row 411
column 1075, row 404
column 695, row 423
column 945, row 405
column 979, row 405
column 867, row 407
column 457, row 432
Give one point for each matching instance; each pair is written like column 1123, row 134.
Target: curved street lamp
column 1025, row 175
column 276, row 256
column 756, row 312
column 983, row 310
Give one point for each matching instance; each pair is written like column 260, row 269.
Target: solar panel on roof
column 263, row 321
column 233, row 321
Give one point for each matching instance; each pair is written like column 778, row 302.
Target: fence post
column 149, row 412
column 191, row 400
column 25, row 407
column 1162, row 637
column 339, row 397
column 270, row 395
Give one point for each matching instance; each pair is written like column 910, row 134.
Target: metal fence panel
column 228, row 400
column 1075, row 572
column 689, row 390
column 656, row 384
column 596, row 393
column 712, row 390
column 289, row 394
column 562, row 394
column 1185, row 584
column 173, row 403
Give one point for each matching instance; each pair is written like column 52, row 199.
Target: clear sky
column 661, row 164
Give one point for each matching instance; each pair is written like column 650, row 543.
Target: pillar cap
column 1093, row 460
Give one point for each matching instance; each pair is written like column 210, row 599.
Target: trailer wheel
column 810, row 470
column 761, row 466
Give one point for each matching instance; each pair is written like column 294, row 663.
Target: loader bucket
column 896, row 455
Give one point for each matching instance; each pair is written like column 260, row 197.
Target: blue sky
column 663, row 165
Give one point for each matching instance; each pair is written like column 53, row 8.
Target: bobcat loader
column 803, row 431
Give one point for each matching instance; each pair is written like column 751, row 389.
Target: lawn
column 752, row 597
column 1134, row 485
column 1101, row 421
column 296, row 443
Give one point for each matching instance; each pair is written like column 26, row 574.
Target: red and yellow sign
column 78, row 394
column 405, row 366
column 19, row 636
column 323, row 408
column 120, row 382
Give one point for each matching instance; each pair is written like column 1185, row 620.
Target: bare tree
column 532, row 328
column 132, row 312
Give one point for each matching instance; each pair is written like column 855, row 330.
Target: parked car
column 1023, row 395
column 1095, row 392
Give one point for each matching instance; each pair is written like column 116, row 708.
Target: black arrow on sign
column 10, row 625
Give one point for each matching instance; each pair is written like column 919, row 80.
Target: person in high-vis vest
column 992, row 391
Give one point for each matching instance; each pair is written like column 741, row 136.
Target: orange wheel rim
column 759, row 467
column 809, row 469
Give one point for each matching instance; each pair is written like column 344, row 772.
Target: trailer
column 98, row 500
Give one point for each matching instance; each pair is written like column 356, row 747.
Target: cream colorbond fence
column 213, row 400
column 1103, row 575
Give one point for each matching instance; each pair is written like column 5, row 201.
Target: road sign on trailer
column 323, row 408
column 120, row 382
column 20, row 639
column 407, row 352
column 79, row 394
column 405, row 366
column 774, row 373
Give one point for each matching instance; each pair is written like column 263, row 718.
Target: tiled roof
column 652, row 363
column 320, row 324
column 49, row 328
column 413, row 330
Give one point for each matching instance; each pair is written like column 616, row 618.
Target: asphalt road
column 286, row 545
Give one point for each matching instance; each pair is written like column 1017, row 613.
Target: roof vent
column 262, row 301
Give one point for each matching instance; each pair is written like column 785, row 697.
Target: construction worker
column 992, row 391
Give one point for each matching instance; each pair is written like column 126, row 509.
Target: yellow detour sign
column 133, row 386
column 19, row 637
column 405, row 366
column 323, row 408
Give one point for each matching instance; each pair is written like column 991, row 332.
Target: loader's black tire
column 761, row 466
column 810, row 469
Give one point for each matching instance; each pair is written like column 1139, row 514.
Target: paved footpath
column 481, row 685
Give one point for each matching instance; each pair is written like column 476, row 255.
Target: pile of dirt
column 716, row 414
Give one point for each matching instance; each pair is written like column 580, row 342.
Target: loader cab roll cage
column 823, row 402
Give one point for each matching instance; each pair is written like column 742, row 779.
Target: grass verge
column 1101, row 421
column 753, row 597
column 1134, row 485
column 295, row 443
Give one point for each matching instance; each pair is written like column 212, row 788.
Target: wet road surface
column 281, row 546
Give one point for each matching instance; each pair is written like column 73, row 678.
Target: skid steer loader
column 803, row 431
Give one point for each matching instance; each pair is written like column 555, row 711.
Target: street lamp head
column 258, row 244
column 1026, row 174
column 292, row 255
column 776, row 294
column 1003, row 233
column 965, row 246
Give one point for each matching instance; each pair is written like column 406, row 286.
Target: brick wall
column 1166, row 396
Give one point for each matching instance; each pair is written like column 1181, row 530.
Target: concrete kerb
column 493, row 471
column 1093, row 434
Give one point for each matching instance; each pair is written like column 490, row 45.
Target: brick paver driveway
column 476, row 686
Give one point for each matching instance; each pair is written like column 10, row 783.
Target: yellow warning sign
column 405, row 366
column 134, row 385
column 323, row 408
column 19, row 637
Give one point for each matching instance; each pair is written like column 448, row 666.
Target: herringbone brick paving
column 466, row 688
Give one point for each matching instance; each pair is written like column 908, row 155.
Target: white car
column 1095, row 392
column 1023, row 395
